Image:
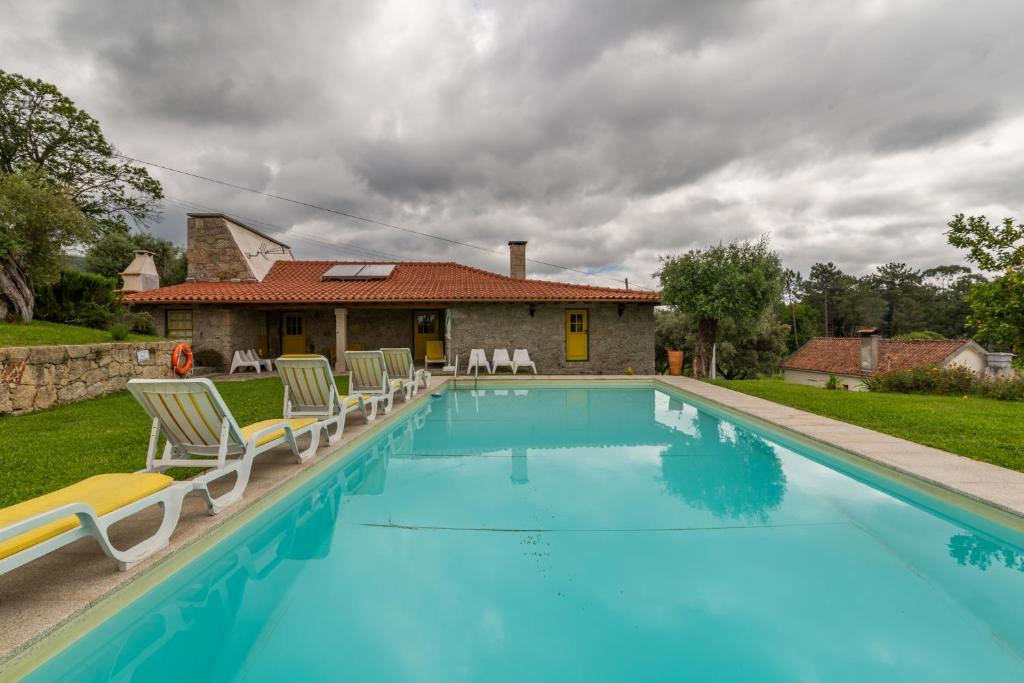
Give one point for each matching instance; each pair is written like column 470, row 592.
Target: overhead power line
column 357, row 217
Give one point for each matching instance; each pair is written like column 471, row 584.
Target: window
column 575, row 322
column 179, row 325
column 293, row 325
column 426, row 323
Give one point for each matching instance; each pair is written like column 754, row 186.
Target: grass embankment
column 978, row 428
column 42, row 333
column 47, row 450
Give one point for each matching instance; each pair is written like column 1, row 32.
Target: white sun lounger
column 501, row 360
column 521, row 359
column 200, row 431
column 310, row 391
column 478, row 359
column 37, row 527
column 368, row 374
column 400, row 366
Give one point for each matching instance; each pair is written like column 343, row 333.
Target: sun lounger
column 200, row 431
column 521, row 359
column 501, row 360
column 478, row 359
column 37, row 527
column 368, row 375
column 310, row 391
column 435, row 354
column 400, row 366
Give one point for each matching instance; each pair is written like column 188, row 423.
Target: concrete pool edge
column 50, row 641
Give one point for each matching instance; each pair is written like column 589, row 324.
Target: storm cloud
column 605, row 133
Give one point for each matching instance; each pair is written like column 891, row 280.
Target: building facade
column 245, row 290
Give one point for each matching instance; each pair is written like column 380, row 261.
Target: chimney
column 517, row 259
column 868, row 349
column 141, row 274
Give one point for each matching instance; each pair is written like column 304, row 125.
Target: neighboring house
column 851, row 359
column 245, row 290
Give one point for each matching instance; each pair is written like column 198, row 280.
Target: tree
column 751, row 348
column 112, row 253
column 823, row 288
column 36, row 225
column 740, row 281
column 42, row 129
column 997, row 307
column 901, row 287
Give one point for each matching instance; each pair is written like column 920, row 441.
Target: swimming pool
column 582, row 533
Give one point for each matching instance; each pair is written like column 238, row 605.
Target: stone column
column 340, row 338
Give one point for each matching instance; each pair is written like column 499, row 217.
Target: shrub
column 917, row 336
column 208, row 358
column 119, row 331
column 82, row 299
column 832, row 384
column 953, row 381
column 141, row 322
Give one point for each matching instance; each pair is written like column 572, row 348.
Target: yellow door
column 294, row 338
column 576, row 345
column 426, row 327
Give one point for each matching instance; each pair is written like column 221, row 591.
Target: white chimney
column 141, row 274
column 868, row 349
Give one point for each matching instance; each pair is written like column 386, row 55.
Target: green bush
column 832, row 384
column 82, row 299
column 141, row 322
column 119, row 331
column 954, row 381
column 927, row 335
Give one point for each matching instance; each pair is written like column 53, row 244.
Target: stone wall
column 39, row 377
column 213, row 254
column 616, row 342
column 382, row 327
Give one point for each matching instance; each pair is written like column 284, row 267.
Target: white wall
column 250, row 245
column 818, row 379
column 970, row 358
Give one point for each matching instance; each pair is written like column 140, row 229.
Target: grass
column 42, row 333
column 978, row 428
column 53, row 448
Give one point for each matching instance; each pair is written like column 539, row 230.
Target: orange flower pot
column 675, row 362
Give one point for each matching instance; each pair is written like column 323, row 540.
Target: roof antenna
column 627, row 283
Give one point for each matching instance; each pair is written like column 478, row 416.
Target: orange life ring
column 179, row 351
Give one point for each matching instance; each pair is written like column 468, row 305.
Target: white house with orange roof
column 246, row 290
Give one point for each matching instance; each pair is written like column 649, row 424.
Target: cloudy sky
column 606, row 133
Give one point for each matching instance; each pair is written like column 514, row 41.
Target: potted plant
column 675, row 361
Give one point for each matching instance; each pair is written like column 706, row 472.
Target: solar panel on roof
column 377, row 270
column 359, row 271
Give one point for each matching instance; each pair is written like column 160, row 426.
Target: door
column 577, row 346
column 426, row 327
column 293, row 338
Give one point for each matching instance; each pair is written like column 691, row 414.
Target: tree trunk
column 707, row 330
column 16, row 297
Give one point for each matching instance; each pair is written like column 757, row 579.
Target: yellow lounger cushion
column 396, row 384
column 295, row 423
column 354, row 400
column 104, row 492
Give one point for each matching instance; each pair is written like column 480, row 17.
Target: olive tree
column 741, row 281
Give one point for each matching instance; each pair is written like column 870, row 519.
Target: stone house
column 246, row 290
column 851, row 359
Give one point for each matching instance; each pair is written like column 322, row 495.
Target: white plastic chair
column 266, row 363
column 501, row 360
column 478, row 359
column 521, row 359
column 241, row 359
column 310, row 391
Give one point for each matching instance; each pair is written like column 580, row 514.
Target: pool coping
column 997, row 492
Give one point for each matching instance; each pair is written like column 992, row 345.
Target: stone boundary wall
column 39, row 377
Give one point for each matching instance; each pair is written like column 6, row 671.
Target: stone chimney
column 220, row 249
column 517, row 259
column 141, row 274
column 868, row 349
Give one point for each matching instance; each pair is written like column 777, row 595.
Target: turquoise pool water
column 583, row 534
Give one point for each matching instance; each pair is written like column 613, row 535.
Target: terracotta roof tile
column 302, row 282
column 841, row 355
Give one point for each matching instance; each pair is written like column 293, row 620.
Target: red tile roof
column 302, row 282
column 841, row 355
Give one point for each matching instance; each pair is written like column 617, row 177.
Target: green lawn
column 979, row 428
column 47, row 450
column 42, row 333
